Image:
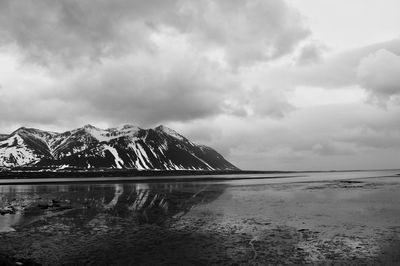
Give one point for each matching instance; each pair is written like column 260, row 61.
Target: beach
column 345, row 221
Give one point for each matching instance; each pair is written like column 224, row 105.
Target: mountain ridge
column 127, row 146
column 3, row 136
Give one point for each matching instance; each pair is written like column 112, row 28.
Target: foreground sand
column 319, row 223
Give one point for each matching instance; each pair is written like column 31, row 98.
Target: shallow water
column 316, row 217
column 148, row 203
column 162, row 200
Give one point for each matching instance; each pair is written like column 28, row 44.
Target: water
column 126, row 221
column 143, row 202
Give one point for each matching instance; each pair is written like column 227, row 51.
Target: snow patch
column 15, row 152
column 170, row 132
column 106, row 135
column 118, row 161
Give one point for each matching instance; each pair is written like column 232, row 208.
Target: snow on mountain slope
column 170, row 132
column 25, row 146
column 112, row 133
column 123, row 147
column 13, row 151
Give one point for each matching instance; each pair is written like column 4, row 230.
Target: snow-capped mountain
column 123, row 147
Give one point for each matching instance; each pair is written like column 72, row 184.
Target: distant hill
column 124, row 147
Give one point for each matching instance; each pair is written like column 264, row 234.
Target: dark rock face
column 124, row 147
column 3, row 137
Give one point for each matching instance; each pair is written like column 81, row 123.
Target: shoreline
column 232, row 178
column 31, row 172
column 201, row 178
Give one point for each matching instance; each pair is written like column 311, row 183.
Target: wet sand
column 342, row 222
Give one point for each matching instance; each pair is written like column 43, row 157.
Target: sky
column 270, row 84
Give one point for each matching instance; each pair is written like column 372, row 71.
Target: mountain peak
column 159, row 127
column 164, row 129
column 89, row 126
column 170, row 132
column 127, row 146
column 127, row 126
column 23, row 129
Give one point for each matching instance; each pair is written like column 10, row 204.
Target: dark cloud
column 148, row 93
column 67, row 31
column 247, row 31
column 143, row 61
column 142, row 89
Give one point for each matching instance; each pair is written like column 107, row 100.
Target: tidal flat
column 350, row 220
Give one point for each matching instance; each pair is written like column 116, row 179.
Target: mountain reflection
column 140, row 203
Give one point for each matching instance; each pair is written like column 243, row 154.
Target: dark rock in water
column 44, row 204
column 350, row 182
column 9, row 261
column 54, row 205
column 302, row 230
column 7, row 210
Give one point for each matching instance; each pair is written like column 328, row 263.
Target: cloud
column 334, row 70
column 219, row 71
column 151, row 90
column 373, row 68
column 332, row 149
column 378, row 73
column 248, row 31
column 139, row 89
column 268, row 102
column 346, row 136
column 310, row 53
column 166, row 72
column 145, row 62
column 71, row 31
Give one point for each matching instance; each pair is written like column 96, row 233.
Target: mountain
column 3, row 137
column 123, row 147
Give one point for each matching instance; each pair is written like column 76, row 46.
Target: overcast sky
column 271, row 84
